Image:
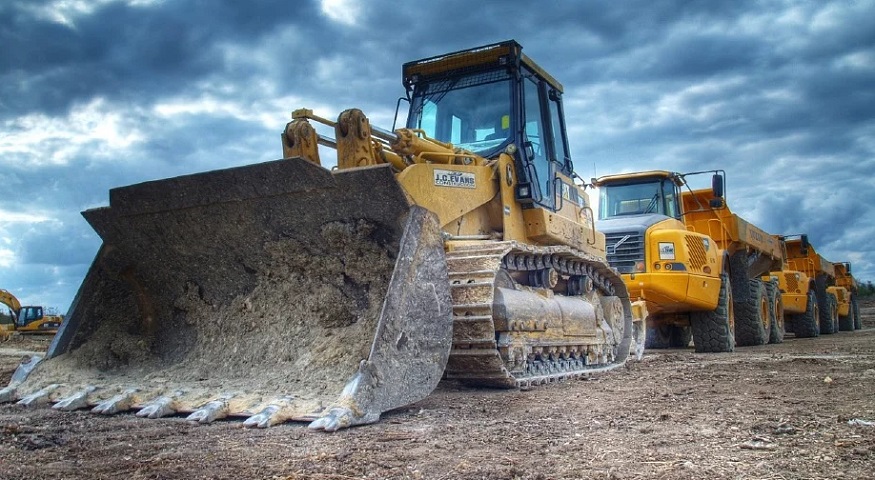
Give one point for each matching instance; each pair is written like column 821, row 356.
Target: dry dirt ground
column 803, row 409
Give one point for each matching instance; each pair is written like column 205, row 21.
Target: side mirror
column 716, row 203
column 717, row 185
column 848, row 267
column 803, row 244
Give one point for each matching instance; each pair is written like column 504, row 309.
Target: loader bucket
column 278, row 291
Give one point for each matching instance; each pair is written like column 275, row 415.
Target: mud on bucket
column 279, row 291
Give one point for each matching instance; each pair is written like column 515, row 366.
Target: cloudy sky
column 96, row 94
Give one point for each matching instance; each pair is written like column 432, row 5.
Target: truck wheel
column 714, row 331
column 657, row 337
column 806, row 325
column 682, row 337
column 668, row 336
column 846, row 322
column 828, row 320
column 739, row 278
column 776, row 313
column 858, row 322
column 752, row 320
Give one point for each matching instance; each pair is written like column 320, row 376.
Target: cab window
column 535, row 137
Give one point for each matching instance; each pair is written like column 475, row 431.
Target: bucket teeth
column 341, row 417
column 40, row 397
column 271, row 415
column 7, row 394
column 212, row 411
column 119, row 403
column 264, row 418
column 159, row 407
column 75, row 401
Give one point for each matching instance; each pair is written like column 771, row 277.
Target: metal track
column 478, row 355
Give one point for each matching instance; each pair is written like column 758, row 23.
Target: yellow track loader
column 459, row 247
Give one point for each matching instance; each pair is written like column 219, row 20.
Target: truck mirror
column 803, row 244
column 717, row 185
column 716, row 203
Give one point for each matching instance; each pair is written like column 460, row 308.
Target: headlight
column 666, row 251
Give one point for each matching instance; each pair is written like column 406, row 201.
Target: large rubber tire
column 752, row 320
column 858, row 322
column 829, row 322
column 776, row 312
column 714, row 331
column 683, row 337
column 668, row 336
column 807, row 325
column 656, row 338
column 846, row 322
column 738, row 277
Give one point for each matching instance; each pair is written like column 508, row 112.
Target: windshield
column 471, row 111
column 631, row 199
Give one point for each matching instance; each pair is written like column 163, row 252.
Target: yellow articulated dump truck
column 848, row 320
column 831, row 299
column 27, row 318
column 681, row 275
column 753, row 255
column 799, row 303
column 459, row 246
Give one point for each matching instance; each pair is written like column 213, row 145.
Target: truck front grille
column 624, row 250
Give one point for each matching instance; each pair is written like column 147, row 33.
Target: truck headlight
column 666, row 251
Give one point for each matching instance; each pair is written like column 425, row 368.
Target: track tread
column 485, row 366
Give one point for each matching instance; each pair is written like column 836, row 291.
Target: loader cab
column 490, row 100
column 650, row 194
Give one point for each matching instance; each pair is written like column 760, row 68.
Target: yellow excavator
column 462, row 246
column 28, row 318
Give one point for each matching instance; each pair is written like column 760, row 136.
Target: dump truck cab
column 675, row 271
column 640, row 215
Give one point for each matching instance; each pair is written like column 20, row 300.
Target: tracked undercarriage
column 525, row 315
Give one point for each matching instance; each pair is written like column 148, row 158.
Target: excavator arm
column 11, row 301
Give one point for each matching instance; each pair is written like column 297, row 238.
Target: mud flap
column 278, row 291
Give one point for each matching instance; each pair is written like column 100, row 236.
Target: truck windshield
column 470, row 111
column 630, row 199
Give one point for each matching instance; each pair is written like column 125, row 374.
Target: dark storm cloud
column 776, row 93
column 123, row 52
